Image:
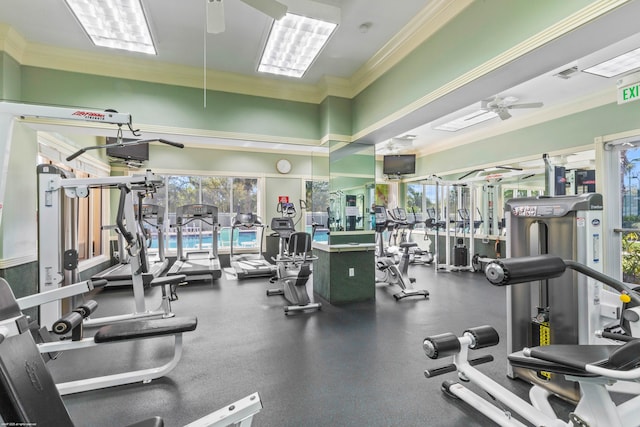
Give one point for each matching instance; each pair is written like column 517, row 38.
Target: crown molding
column 12, row 42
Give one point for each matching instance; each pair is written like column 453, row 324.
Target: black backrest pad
column 299, row 243
column 28, row 394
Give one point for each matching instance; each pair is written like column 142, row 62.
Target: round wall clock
column 283, row 166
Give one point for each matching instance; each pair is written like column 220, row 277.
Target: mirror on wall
column 351, row 180
column 490, row 188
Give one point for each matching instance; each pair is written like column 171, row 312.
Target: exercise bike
column 595, row 367
column 387, row 271
column 293, row 266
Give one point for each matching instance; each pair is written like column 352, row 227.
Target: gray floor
column 360, row 364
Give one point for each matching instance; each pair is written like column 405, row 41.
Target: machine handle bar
column 174, row 144
column 124, row 190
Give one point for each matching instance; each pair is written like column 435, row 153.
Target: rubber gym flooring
column 360, row 364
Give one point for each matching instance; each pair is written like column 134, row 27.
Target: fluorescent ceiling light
column 118, row 24
column 618, row 65
column 466, row 121
column 293, row 44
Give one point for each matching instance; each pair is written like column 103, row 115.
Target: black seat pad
column 568, row 359
column 145, row 328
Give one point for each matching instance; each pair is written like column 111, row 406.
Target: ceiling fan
column 502, row 105
column 215, row 12
column 396, row 145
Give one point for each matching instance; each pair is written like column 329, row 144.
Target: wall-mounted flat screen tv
column 139, row 152
column 399, row 164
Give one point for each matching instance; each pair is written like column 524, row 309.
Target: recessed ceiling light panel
column 616, row 66
column 117, row 24
column 467, row 120
column 293, row 44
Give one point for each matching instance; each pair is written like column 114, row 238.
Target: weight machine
column 596, row 369
column 57, row 234
column 566, row 309
column 450, row 198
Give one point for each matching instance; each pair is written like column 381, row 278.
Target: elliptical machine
column 293, row 266
column 386, row 269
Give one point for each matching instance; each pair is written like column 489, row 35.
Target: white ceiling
column 179, row 30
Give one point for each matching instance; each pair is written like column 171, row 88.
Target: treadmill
column 197, row 264
column 120, row 274
column 247, row 265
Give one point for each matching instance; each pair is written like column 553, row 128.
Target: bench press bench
column 31, row 397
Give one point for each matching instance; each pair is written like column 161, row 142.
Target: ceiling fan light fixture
column 615, row 66
column 116, row 24
column 294, row 42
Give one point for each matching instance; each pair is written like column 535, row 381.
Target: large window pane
column 230, row 195
column 317, row 202
column 630, row 208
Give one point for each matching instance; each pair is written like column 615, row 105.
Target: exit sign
column 628, row 88
column 629, row 93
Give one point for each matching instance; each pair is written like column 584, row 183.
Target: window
column 317, row 205
column 630, row 209
column 229, row 194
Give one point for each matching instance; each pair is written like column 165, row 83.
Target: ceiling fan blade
column 503, row 113
column 215, row 16
column 529, row 105
column 272, row 8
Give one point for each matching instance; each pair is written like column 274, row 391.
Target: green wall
column 167, row 105
column 9, row 78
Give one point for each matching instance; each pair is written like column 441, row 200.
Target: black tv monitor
column 139, row 152
column 399, row 164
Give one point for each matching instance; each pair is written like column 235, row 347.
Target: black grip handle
column 617, row 337
column 124, row 190
column 76, row 154
column 430, row 373
column 66, row 323
column 174, row 144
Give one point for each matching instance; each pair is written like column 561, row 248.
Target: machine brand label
column 89, row 115
column 595, row 222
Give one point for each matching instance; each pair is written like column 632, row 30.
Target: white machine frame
column 595, row 408
column 12, row 111
column 51, row 276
